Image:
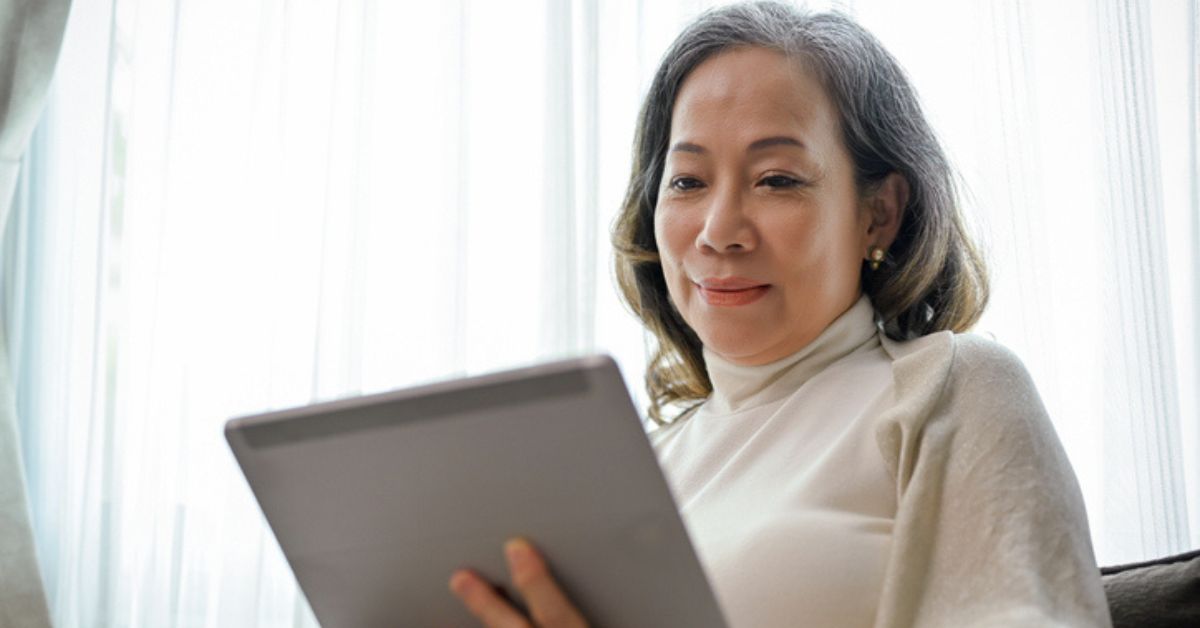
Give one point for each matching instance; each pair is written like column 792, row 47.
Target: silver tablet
column 376, row 500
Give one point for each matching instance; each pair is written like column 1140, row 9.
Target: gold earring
column 876, row 254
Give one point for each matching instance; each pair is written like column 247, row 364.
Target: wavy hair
column 934, row 277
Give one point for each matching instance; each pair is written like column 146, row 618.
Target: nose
column 727, row 227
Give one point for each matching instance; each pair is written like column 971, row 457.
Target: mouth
column 730, row 292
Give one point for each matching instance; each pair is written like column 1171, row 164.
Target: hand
column 547, row 603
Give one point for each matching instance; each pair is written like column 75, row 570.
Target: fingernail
column 459, row 582
column 517, row 551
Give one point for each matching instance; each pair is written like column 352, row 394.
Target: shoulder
column 980, row 358
column 956, row 389
column 987, row 398
column 946, row 363
column 990, row 381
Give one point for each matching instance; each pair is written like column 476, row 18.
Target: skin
column 547, row 603
column 784, row 214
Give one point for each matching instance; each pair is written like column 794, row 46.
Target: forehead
column 742, row 93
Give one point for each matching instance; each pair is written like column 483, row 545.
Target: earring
column 876, row 257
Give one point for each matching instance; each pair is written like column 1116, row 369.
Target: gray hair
column 933, row 278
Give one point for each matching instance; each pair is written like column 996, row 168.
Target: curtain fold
column 1189, row 364
column 31, row 34
column 1141, row 407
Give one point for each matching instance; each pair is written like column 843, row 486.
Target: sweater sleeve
column 990, row 527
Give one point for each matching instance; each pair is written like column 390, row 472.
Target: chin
column 734, row 346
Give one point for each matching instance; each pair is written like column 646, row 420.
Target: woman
column 841, row 455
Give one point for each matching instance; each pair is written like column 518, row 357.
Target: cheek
column 811, row 246
column 672, row 241
column 797, row 238
column 668, row 236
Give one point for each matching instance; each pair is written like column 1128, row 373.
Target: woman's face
column 760, row 229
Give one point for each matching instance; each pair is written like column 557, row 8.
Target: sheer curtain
column 31, row 35
column 245, row 206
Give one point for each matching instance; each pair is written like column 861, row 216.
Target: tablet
column 376, row 500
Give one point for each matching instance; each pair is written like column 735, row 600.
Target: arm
column 990, row 526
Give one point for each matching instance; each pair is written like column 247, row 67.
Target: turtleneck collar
column 737, row 387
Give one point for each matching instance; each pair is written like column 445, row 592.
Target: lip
column 730, row 291
column 728, row 283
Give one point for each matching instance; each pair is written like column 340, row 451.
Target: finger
column 546, row 601
column 484, row 602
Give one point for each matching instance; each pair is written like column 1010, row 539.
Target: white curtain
column 251, row 205
column 31, row 33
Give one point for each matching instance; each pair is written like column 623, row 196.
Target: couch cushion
column 1162, row 593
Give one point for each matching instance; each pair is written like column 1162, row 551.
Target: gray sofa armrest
column 1161, row 593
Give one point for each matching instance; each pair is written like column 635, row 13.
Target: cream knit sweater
column 864, row 482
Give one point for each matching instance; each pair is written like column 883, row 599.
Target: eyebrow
column 767, row 142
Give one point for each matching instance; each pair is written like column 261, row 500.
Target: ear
column 885, row 210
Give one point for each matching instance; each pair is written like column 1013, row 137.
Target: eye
column 779, row 181
column 684, row 184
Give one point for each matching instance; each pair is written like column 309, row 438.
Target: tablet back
column 376, row 500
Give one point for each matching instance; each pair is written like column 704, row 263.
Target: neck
column 738, row 386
